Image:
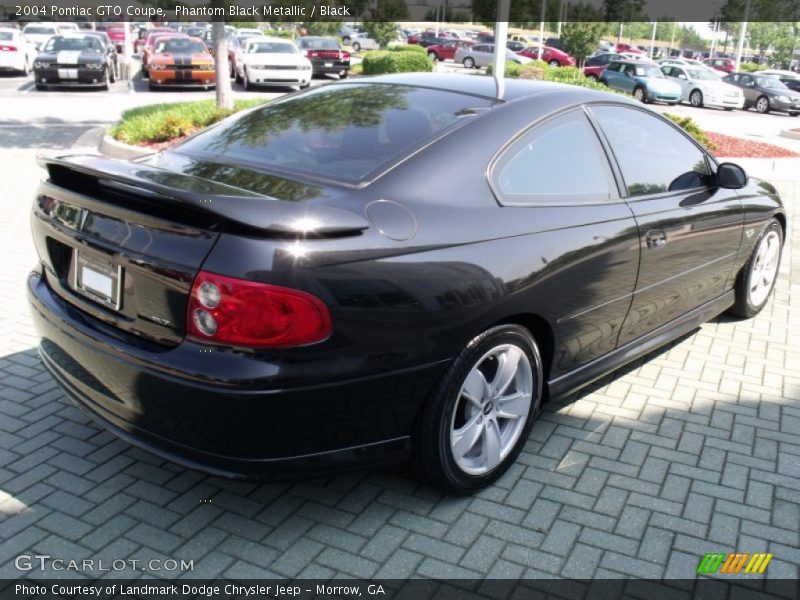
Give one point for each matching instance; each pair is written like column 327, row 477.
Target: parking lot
column 694, row 449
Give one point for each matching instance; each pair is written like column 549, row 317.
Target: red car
column 117, row 35
column 140, row 41
column 552, row 56
column 446, row 50
column 726, row 65
column 628, row 48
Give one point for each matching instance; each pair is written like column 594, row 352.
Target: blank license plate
column 328, row 64
column 97, row 278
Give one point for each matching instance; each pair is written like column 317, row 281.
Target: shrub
column 164, row 122
column 514, row 70
column 748, row 67
column 384, row 61
column 691, row 127
column 400, row 47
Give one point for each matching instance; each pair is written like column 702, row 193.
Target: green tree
column 580, row 37
column 322, row 27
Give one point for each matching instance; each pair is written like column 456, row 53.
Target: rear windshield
column 319, row 44
column 344, row 132
column 6, row 35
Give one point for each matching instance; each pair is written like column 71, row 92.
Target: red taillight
column 8, row 48
column 239, row 312
column 312, row 53
column 345, row 55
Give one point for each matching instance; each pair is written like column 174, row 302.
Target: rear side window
column 343, row 132
column 558, row 162
column 653, row 156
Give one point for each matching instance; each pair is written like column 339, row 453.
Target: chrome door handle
column 656, row 238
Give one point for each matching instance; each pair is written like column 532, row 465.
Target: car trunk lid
column 123, row 240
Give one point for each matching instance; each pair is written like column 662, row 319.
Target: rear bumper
column 319, row 66
column 164, row 403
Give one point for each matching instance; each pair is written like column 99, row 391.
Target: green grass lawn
column 164, row 122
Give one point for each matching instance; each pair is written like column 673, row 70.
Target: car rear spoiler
column 249, row 210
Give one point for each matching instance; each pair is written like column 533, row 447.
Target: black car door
column 586, row 262
column 689, row 229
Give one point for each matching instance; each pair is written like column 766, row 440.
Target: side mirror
column 731, row 176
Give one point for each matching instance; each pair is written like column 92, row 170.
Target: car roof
column 476, row 85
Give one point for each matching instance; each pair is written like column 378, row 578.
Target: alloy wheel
column 492, row 409
column 638, row 93
column 765, row 268
column 762, row 105
column 696, row 99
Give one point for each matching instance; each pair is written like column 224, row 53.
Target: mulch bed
column 734, row 147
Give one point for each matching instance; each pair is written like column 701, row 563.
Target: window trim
column 551, row 200
column 709, row 159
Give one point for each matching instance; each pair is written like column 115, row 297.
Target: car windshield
column 703, row 74
column 643, row 71
column 770, row 83
column 343, row 132
column 320, row 44
column 179, row 46
column 271, row 48
column 38, row 29
column 59, row 44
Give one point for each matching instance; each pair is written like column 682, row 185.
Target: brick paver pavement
column 694, row 450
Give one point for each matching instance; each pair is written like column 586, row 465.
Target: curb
column 792, row 134
column 115, row 149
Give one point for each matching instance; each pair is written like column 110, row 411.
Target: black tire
column 762, row 107
column 433, row 56
column 729, row 109
column 237, row 78
column 696, row 98
column 247, row 85
column 591, row 77
column 26, row 68
column 111, row 77
column 305, row 86
column 469, row 62
column 643, row 98
column 344, row 74
column 743, row 306
column 433, row 456
column 356, row 47
column 41, row 87
column 554, row 63
column 231, row 70
column 603, row 81
column 145, row 74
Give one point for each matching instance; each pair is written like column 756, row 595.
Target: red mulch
column 158, row 146
column 734, row 147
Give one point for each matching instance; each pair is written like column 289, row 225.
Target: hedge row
column 408, row 48
column 388, row 61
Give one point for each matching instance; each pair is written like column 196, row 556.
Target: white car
column 482, row 55
column 39, row 33
column 701, row 88
column 272, row 61
column 17, row 53
column 362, row 41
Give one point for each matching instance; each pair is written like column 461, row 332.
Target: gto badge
column 749, row 233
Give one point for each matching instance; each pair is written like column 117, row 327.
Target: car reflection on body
column 305, row 287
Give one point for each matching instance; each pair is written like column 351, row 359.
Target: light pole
column 742, row 33
column 500, row 37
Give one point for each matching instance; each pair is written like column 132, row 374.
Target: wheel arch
column 542, row 333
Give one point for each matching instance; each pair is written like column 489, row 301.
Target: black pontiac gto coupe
column 372, row 270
